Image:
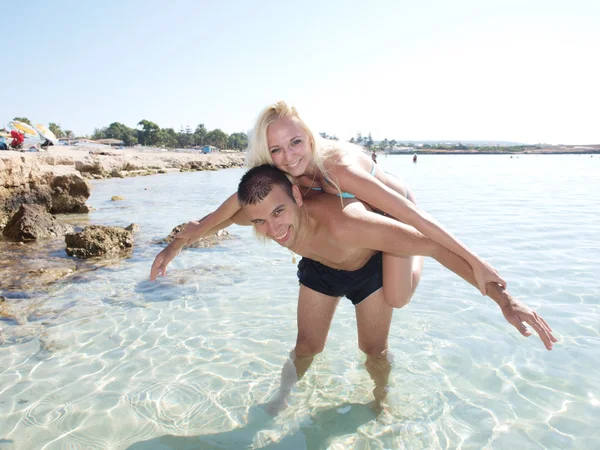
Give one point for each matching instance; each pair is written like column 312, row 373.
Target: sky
column 524, row 71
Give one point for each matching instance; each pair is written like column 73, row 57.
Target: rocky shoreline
column 58, row 178
column 36, row 187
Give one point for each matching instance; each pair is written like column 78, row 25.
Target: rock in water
column 133, row 227
column 100, row 241
column 32, row 222
column 69, row 194
column 206, row 241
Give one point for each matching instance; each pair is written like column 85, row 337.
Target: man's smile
column 284, row 236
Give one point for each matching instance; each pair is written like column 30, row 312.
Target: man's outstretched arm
column 370, row 230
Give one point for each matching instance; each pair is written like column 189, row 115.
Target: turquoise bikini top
column 345, row 194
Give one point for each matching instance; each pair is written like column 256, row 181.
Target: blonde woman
column 281, row 138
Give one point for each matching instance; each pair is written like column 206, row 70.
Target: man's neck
column 306, row 228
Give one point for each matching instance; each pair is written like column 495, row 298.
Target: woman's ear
column 297, row 195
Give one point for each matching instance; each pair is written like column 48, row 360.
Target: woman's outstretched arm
column 352, row 178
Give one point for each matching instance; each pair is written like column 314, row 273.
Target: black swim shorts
column 356, row 285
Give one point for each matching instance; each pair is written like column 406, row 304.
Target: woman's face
column 289, row 146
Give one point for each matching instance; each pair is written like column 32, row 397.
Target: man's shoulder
column 340, row 219
column 328, row 207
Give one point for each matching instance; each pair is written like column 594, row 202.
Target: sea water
column 110, row 360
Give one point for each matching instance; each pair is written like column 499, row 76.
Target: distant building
column 111, row 142
column 209, row 149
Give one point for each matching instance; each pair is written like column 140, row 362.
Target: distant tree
column 185, row 137
column 238, row 141
column 200, row 134
column 69, row 134
column 369, row 142
column 352, row 140
column 392, row 143
column 217, row 137
column 167, row 137
column 148, row 135
column 359, row 138
column 56, row 130
column 117, row 130
column 98, row 133
column 22, row 119
column 384, row 144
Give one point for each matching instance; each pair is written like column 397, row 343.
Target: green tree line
column 150, row 134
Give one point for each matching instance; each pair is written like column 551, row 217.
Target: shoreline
column 97, row 162
column 559, row 150
column 59, row 180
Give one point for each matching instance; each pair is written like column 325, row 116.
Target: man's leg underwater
column 373, row 319
column 315, row 313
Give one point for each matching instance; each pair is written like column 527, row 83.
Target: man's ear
column 297, row 195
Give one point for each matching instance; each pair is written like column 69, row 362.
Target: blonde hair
column 322, row 149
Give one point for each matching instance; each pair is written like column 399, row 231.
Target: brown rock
column 33, row 222
column 206, row 241
column 100, row 241
column 51, row 275
column 69, row 194
column 116, row 198
column 134, row 228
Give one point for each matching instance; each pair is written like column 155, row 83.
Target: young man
column 341, row 242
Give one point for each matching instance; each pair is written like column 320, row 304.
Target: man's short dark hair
column 259, row 181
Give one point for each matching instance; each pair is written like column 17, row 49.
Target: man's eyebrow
column 272, row 212
column 277, row 207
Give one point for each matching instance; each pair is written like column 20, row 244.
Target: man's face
column 277, row 216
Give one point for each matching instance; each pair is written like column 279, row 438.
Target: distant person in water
column 374, row 156
column 415, row 158
column 342, row 247
column 281, row 138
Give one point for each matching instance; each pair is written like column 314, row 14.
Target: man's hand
column 518, row 313
column 162, row 260
column 484, row 274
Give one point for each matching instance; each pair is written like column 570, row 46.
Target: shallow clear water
column 111, row 360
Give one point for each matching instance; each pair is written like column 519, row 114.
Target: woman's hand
column 485, row 273
column 518, row 314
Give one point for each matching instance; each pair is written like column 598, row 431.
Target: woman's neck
column 312, row 171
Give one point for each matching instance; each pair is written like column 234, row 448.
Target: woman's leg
column 401, row 275
column 400, row 278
